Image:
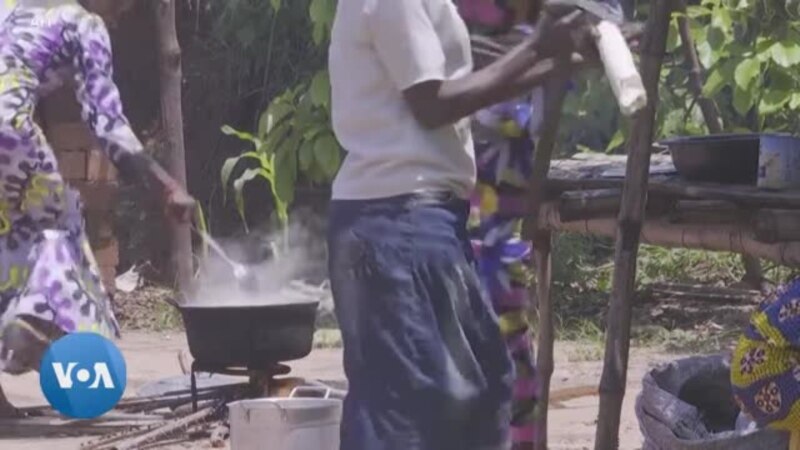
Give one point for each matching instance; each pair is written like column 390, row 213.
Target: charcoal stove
column 261, row 378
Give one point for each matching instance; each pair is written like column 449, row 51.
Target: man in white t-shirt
column 426, row 364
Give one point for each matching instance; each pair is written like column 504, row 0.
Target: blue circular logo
column 83, row 375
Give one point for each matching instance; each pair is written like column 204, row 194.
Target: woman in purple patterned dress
column 504, row 143
column 49, row 281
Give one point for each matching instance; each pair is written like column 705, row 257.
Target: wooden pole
column 777, row 225
column 555, row 91
column 754, row 274
column 634, row 198
column 576, row 205
column 734, row 237
column 171, row 79
column 545, row 364
column 696, row 76
column 794, row 441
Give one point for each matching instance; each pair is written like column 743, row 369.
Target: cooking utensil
column 723, row 158
column 244, row 276
column 256, row 336
column 616, row 56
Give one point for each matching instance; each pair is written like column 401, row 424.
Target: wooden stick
column 599, row 203
column 696, row 76
column 166, row 430
column 172, row 120
column 634, row 198
column 773, row 226
column 555, row 93
column 708, row 213
column 794, row 441
column 542, row 258
column 741, row 195
column 736, row 238
column 576, row 205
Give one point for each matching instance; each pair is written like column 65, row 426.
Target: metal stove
column 261, row 379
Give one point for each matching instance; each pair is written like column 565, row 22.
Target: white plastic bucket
column 285, row 424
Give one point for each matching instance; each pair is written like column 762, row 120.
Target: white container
column 620, row 68
column 285, row 424
column 779, row 162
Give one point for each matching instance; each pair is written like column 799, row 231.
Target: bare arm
column 438, row 103
column 102, row 108
column 406, row 39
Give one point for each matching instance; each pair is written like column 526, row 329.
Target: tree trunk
column 171, row 79
column 629, row 226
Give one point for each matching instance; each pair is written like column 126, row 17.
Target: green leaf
column 230, row 131
column 785, row 53
column 743, row 100
column 746, row 72
column 706, row 54
column 320, row 89
column 673, row 38
column 321, row 13
column 721, row 19
column 286, row 170
column 773, row 100
column 763, row 49
column 714, row 83
column 305, row 155
column 616, row 141
column 276, row 4
column 780, row 80
column 794, row 101
column 695, row 12
column 276, row 136
column 229, row 165
column 227, row 170
column 327, row 155
column 716, row 39
column 278, row 111
column 239, row 184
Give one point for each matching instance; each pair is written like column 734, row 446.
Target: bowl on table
column 723, row 158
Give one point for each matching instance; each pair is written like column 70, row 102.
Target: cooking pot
column 250, row 336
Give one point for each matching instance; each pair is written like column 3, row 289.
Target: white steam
column 276, row 276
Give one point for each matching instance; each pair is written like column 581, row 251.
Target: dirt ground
column 152, row 356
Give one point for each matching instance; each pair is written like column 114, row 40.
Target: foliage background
column 256, row 84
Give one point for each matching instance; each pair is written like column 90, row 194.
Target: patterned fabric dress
column 504, row 151
column 765, row 368
column 49, row 281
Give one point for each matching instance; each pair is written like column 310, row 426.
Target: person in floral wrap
column 49, row 280
column 504, row 137
column 765, row 368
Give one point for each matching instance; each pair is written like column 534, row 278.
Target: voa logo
column 101, row 375
column 83, row 375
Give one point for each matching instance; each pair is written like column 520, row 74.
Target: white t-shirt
column 379, row 48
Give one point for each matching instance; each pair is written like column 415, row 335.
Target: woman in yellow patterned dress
column 765, row 369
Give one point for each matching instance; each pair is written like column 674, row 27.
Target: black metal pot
column 254, row 337
column 722, row 158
